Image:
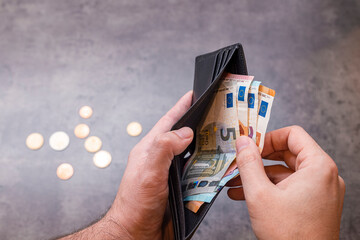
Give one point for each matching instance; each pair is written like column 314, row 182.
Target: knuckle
column 297, row 128
column 148, row 179
column 152, row 182
column 342, row 184
column 138, row 152
column 329, row 170
column 162, row 141
column 333, row 168
column 163, row 145
column 145, row 185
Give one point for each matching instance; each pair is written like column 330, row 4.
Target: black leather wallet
column 179, row 222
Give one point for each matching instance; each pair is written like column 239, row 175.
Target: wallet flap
column 208, row 71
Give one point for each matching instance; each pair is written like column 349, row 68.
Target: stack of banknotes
column 239, row 106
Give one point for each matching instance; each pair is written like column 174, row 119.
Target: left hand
column 140, row 203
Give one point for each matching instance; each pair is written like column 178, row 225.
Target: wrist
column 113, row 225
column 127, row 225
column 106, row 228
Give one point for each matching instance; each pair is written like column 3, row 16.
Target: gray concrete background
column 132, row 60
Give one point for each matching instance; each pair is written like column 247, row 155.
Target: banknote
column 266, row 98
column 253, row 106
column 243, row 86
column 230, row 173
column 205, row 173
column 215, row 143
column 240, row 106
column 202, row 197
column 197, row 200
column 194, row 206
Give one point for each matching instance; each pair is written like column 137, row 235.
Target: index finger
column 288, row 143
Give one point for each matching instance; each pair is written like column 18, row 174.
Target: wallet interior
column 208, row 72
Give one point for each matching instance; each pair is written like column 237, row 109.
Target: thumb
column 169, row 144
column 250, row 166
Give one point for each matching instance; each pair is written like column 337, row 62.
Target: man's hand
column 139, row 206
column 143, row 193
column 303, row 201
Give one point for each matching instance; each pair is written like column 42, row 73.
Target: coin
column 85, row 111
column 59, row 141
column 134, row 129
column 65, row 171
column 92, row 144
column 82, row 130
column 102, row 159
column 34, row 141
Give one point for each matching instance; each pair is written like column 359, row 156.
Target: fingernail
column 242, row 143
column 184, row 132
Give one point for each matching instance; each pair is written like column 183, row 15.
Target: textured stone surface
column 132, row 60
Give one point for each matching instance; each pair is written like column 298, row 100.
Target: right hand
column 303, row 201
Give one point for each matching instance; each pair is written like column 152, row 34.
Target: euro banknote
column 240, row 106
column 196, row 201
column 242, row 103
column 266, row 98
column 230, row 173
column 215, row 143
column 253, row 99
column 243, row 85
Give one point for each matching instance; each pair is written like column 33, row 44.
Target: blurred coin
column 59, row 141
column 92, row 144
column 102, row 159
column 65, row 171
column 85, row 112
column 34, row 141
column 134, row 129
column 82, row 130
